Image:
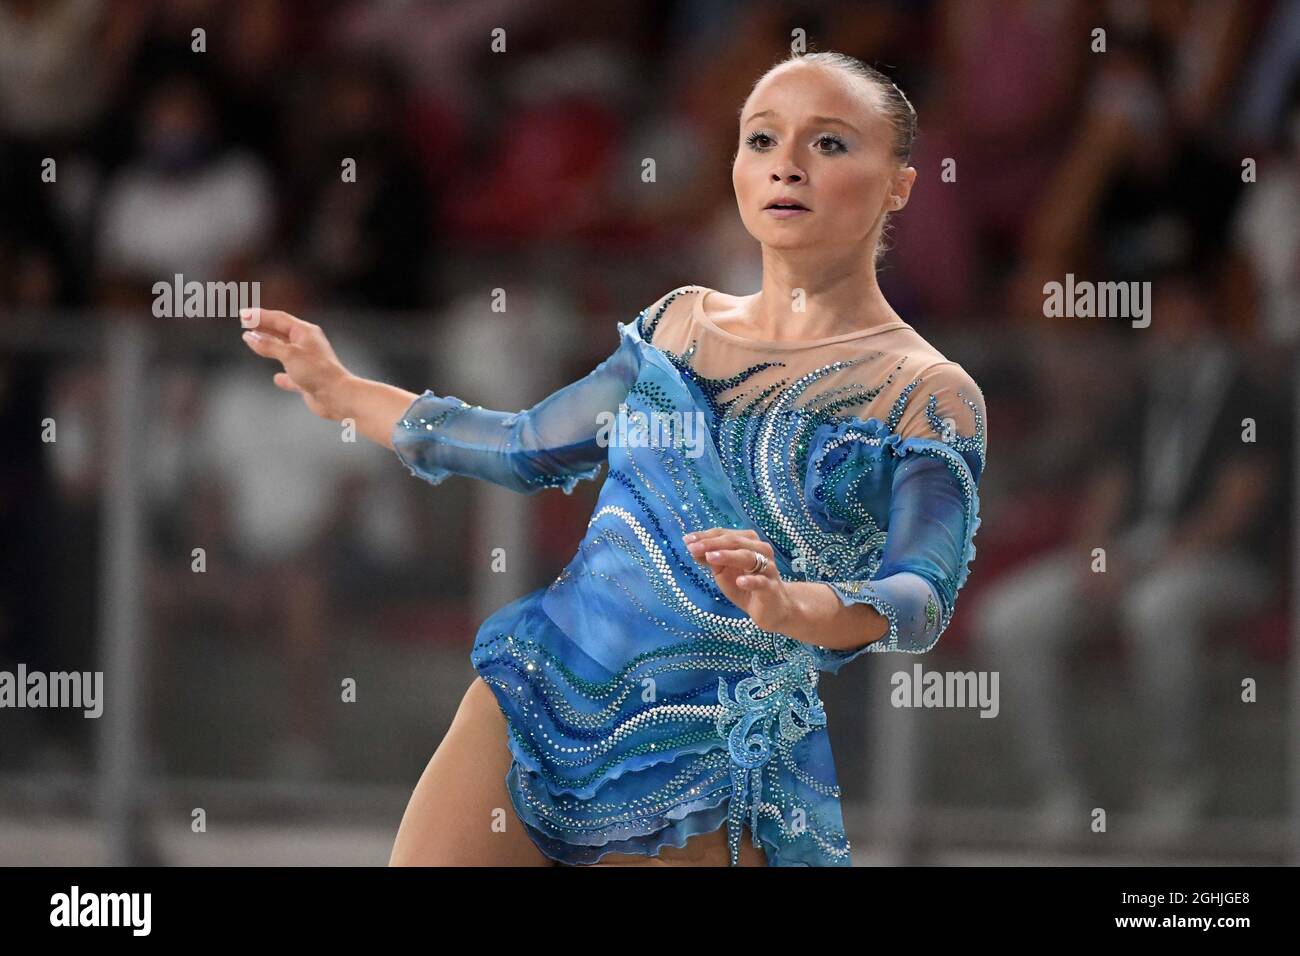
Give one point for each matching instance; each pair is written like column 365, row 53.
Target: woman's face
column 843, row 172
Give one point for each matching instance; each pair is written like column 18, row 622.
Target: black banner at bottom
column 938, row 904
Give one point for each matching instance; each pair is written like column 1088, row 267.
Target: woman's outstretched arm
column 556, row 443
column 313, row 370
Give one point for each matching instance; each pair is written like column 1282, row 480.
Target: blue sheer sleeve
column 937, row 457
column 553, row 444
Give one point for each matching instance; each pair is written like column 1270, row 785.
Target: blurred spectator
column 552, row 155
column 1118, row 201
column 998, row 108
column 365, row 232
column 1185, row 509
column 257, row 39
column 183, row 204
column 1267, row 74
column 59, row 60
column 31, row 513
column 1266, row 230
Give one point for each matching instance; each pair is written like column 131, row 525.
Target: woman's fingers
column 268, row 346
column 268, row 334
column 730, row 539
column 270, row 320
column 741, row 559
column 729, row 554
column 283, row 380
column 713, row 532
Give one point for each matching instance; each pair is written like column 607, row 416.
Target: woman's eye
column 763, row 141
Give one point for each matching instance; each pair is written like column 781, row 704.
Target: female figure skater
column 665, row 683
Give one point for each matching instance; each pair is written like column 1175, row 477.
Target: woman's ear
column 902, row 188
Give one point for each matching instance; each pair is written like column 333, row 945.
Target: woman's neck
column 803, row 301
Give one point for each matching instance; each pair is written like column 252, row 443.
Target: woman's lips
column 779, row 213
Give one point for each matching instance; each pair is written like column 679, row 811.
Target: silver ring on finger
column 760, row 564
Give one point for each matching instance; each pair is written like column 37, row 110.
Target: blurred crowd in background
column 522, row 170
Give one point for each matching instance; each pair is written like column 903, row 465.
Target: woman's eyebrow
column 824, row 120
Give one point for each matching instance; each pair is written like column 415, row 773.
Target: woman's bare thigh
column 460, row 812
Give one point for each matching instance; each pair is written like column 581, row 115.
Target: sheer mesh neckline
column 697, row 309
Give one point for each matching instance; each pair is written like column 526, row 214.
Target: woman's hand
column 310, row 366
column 729, row 554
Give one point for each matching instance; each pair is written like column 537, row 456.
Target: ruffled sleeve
column 556, row 443
column 913, row 476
